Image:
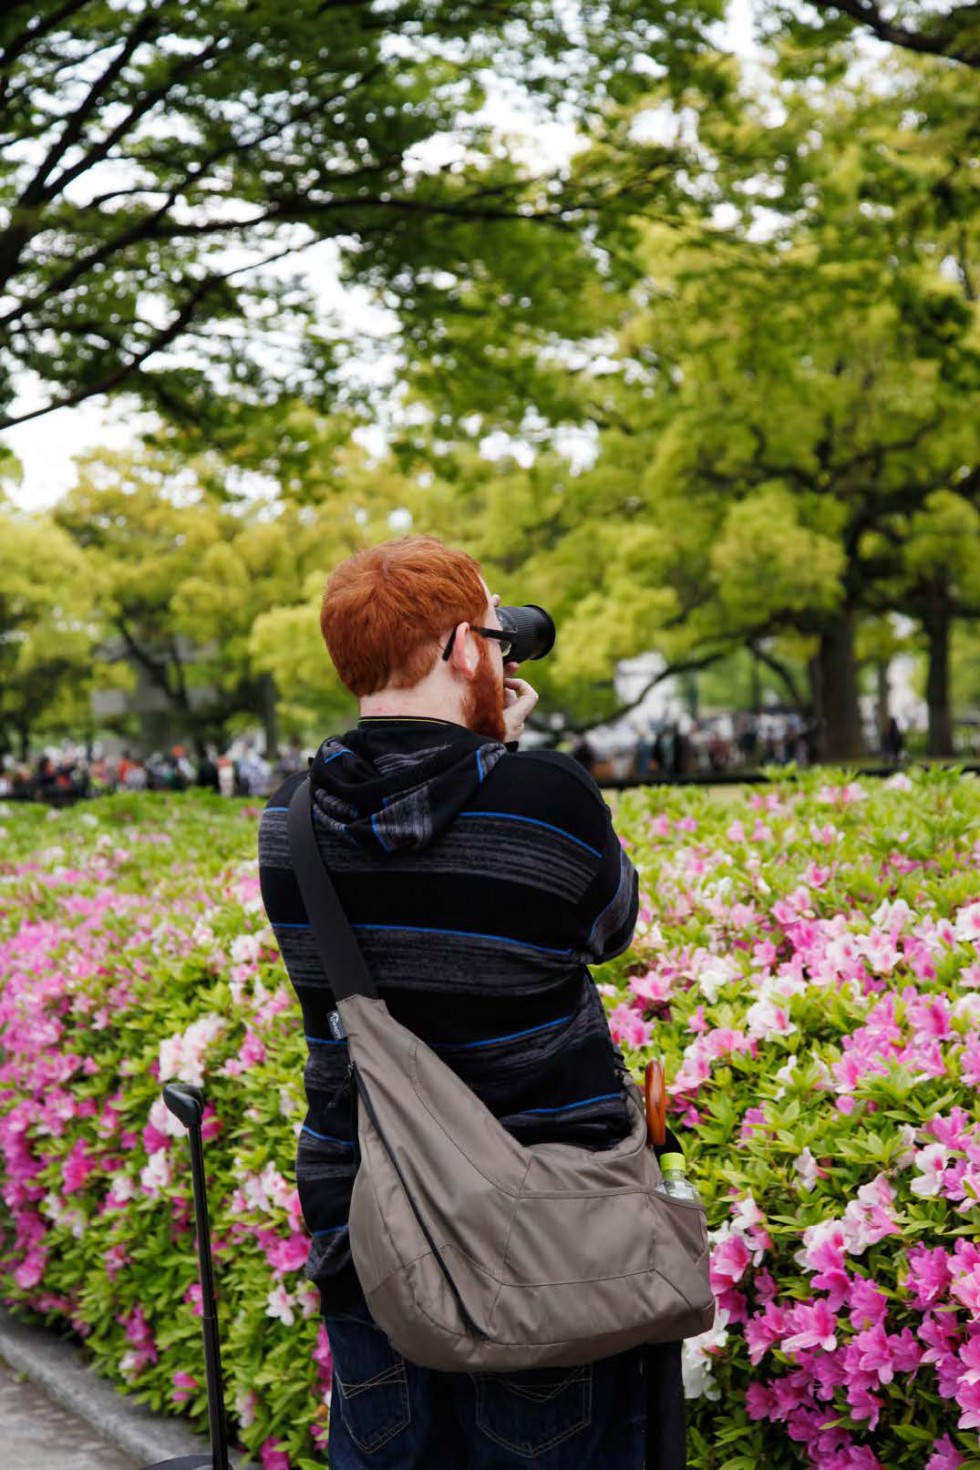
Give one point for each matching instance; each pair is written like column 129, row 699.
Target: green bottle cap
column 672, row 1164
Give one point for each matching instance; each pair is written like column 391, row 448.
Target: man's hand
column 519, row 701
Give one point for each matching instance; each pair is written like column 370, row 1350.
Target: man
column 480, row 882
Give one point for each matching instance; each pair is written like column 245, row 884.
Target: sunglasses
column 504, row 636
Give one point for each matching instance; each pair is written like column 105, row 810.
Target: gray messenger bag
column 475, row 1252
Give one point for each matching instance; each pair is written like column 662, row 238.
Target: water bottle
column 676, row 1184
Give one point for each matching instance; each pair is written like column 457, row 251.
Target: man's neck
column 408, row 705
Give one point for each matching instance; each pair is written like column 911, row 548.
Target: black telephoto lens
column 535, row 630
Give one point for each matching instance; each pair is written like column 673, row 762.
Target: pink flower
column 928, row 1278
column 814, row 1326
column 764, row 1330
column 760, row 1401
column 653, row 986
column 78, row 1166
column 288, row 1255
column 729, row 1259
column 184, row 1386
column 272, row 1457
column 629, row 1028
column 966, row 1288
column 945, row 1456
column 968, row 1398
column 323, row 1358
column 868, row 1306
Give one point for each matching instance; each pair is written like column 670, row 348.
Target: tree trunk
column 884, row 700
column 843, row 737
column 816, row 723
column 270, row 716
column 937, row 629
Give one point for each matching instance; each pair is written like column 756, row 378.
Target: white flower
column 246, row 949
column 245, row 1406
column 892, row 916
column 280, row 1304
column 805, row 1166
column 932, row 1161
column 967, row 925
column 171, row 1057
column 766, row 1018
column 308, row 1298
column 182, row 1055
column 696, row 1360
column 156, row 1175
column 123, row 1187
column 202, row 935
column 898, row 782
column 746, row 1215
column 164, row 1121
column 714, row 975
column 786, row 1076
column 907, row 1134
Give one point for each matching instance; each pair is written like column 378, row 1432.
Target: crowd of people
column 666, row 753
column 75, row 773
column 711, row 747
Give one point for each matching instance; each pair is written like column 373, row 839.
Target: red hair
column 385, row 609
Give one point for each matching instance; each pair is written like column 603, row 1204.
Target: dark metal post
column 187, row 1104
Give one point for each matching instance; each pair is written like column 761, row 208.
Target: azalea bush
column 807, row 963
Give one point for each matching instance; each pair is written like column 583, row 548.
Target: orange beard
column 484, row 708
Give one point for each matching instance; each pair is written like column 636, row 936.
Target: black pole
column 187, row 1104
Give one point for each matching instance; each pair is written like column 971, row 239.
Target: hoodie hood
column 396, row 784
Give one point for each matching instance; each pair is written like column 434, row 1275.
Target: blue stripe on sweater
column 326, row 1137
column 493, row 1040
column 583, row 1102
column 532, row 822
column 462, row 934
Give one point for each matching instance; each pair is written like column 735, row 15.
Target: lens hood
column 534, row 631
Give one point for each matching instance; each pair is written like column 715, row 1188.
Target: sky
column 47, row 446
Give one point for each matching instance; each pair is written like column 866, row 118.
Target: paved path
column 36, row 1434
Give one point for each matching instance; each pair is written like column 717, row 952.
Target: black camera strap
column 340, row 953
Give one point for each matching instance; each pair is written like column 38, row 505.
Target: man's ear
column 464, row 658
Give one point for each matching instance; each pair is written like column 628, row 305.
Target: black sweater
column 480, row 884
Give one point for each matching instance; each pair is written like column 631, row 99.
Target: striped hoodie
column 481, row 883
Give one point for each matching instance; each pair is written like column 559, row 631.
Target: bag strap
column 336, row 941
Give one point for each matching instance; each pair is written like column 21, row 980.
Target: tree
column 47, row 628
column 786, row 393
column 150, row 533
column 162, row 160
column 937, row 580
column 920, row 28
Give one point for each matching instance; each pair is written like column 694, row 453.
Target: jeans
column 387, row 1414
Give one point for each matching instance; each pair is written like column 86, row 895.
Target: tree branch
column 943, row 40
column 33, row 34
column 156, row 669
column 37, row 191
column 781, row 670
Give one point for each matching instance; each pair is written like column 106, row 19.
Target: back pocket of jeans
column 532, row 1411
column 370, row 1384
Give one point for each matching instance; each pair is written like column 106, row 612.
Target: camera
column 533, row 629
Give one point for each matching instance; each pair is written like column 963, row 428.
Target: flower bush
column 808, row 964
